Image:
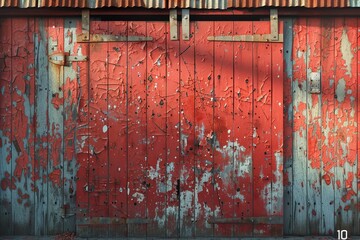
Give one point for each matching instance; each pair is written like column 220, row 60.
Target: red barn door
column 180, row 138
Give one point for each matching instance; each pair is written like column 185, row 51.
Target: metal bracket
column 315, row 82
column 173, row 25
column 63, row 59
column 274, row 36
column 85, row 36
column 98, row 38
column 185, row 24
column 85, row 24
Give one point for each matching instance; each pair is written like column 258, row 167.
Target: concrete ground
column 59, row 237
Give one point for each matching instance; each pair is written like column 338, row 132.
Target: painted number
column 342, row 234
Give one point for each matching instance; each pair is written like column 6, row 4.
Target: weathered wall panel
column 7, row 186
column 327, row 121
column 143, row 139
column 313, row 128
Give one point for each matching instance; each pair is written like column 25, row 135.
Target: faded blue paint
column 288, row 46
column 41, row 98
column 288, row 51
column 71, row 110
column 5, row 195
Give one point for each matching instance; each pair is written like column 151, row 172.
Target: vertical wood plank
column 41, row 123
column 156, row 131
column 98, row 127
column 313, row 128
column 82, row 140
column 223, row 129
column 173, row 166
column 277, row 131
column 328, row 122
column 55, row 132
column 262, row 148
column 187, row 127
column 118, row 130
column 288, row 127
column 72, row 98
column 5, row 127
column 22, row 131
column 357, row 215
column 345, row 127
column 137, row 129
column 204, row 206
column 243, row 129
column 299, row 136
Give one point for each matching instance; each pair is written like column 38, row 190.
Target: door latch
column 64, row 59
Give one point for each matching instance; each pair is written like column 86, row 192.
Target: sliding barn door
column 180, row 138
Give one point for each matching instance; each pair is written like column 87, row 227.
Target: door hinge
column 274, row 35
column 64, row 59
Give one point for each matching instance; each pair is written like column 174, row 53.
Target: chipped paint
column 346, row 51
column 149, row 132
column 340, row 90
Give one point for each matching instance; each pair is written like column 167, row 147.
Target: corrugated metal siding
column 195, row 4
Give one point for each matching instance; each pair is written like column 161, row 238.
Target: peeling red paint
column 55, row 177
column 57, row 101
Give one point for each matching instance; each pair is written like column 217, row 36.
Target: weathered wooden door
column 180, row 138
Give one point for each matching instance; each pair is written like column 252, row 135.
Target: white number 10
column 342, row 234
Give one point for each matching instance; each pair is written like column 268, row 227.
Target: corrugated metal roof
column 18, row 3
column 287, row 3
column 196, row 4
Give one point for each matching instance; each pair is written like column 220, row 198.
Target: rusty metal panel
column 18, row 3
column 194, row 4
column 62, row 3
column 199, row 4
column 287, row 3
